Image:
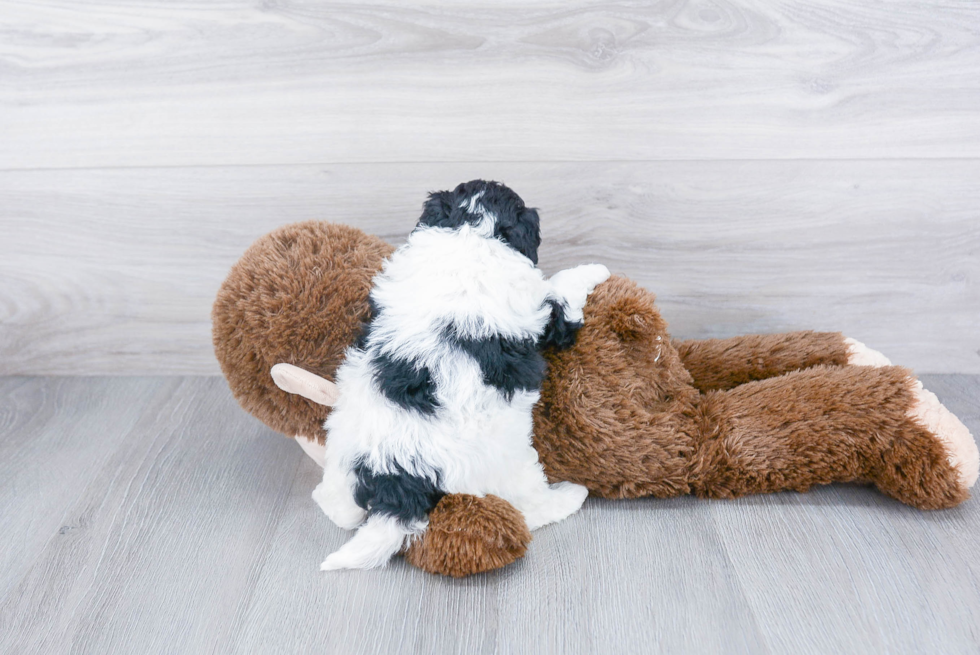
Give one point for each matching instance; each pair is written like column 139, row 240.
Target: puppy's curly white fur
column 436, row 398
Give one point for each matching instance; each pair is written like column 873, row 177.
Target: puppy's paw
column 339, row 508
column 593, row 275
column 348, row 518
column 575, row 284
column 568, row 497
column 561, row 501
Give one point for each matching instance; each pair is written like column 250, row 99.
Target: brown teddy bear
column 626, row 411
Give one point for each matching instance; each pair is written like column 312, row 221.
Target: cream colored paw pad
column 859, row 354
column 956, row 437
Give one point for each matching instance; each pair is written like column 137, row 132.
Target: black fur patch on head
column 560, row 332
column 507, row 364
column 442, row 210
column 516, row 225
column 521, row 231
column 405, row 384
column 406, row 497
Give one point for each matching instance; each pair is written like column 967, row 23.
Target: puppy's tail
column 373, row 545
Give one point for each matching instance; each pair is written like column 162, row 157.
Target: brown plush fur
column 621, row 412
column 611, row 415
column 719, row 364
column 469, row 534
column 298, row 295
column 818, row 426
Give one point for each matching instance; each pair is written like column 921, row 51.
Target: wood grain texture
column 45, row 458
column 157, row 551
column 154, row 83
column 188, row 527
column 762, row 167
column 114, row 271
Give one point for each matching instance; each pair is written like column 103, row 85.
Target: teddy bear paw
column 859, row 354
column 960, row 446
column 313, row 448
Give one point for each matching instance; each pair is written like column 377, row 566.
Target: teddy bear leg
column 316, row 450
column 960, row 446
column 859, row 354
column 719, row 364
column 833, row 424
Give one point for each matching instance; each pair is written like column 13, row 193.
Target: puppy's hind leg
column 557, row 503
column 335, row 496
column 372, row 546
column 399, row 503
column 542, row 503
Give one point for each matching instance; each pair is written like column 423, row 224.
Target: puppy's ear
column 438, row 210
column 522, row 232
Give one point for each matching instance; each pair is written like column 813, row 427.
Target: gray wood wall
column 761, row 167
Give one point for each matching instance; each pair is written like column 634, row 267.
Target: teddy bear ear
column 293, row 379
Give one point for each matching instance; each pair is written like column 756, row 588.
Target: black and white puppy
column 436, row 398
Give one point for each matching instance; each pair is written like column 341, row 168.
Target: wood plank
column 55, row 436
column 114, row 271
column 151, row 83
column 197, row 534
column 847, row 570
column 167, row 538
column 598, row 582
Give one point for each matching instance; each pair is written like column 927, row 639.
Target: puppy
column 436, row 397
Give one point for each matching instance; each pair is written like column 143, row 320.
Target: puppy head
column 491, row 208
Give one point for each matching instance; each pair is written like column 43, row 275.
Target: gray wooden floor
column 150, row 515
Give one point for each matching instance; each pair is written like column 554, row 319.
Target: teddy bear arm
column 470, row 534
column 833, row 424
column 720, row 364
